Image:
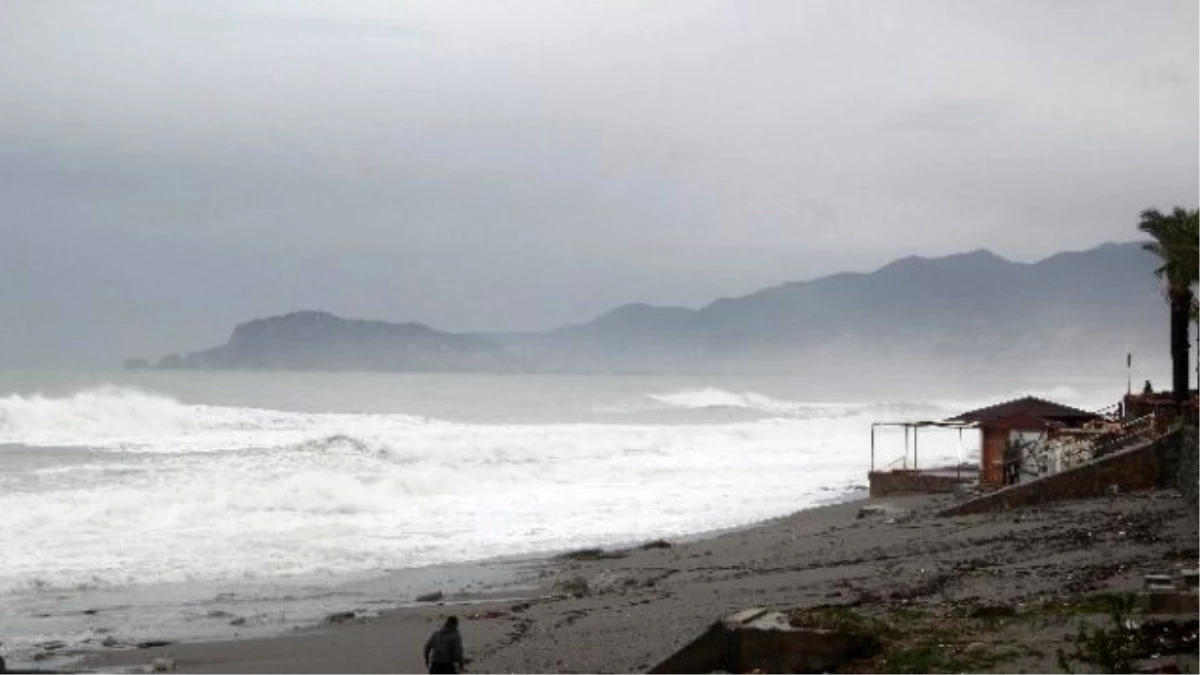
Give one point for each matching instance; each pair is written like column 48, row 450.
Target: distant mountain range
column 974, row 311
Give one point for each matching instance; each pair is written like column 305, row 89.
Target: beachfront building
column 1019, row 440
column 1029, row 437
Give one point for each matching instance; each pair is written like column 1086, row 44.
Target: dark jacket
column 444, row 646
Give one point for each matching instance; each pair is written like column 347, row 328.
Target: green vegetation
column 1101, row 603
column 972, row 637
column 1175, row 242
column 840, row 619
column 935, row 657
column 1115, row 649
column 913, row 640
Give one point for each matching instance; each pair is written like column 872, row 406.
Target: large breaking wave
column 147, row 478
column 711, row 397
column 133, row 420
column 99, row 411
column 715, row 399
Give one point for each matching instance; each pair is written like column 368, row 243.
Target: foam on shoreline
column 506, row 578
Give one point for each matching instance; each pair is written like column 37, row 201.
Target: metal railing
column 1126, row 434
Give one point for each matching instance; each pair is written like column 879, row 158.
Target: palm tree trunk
column 1181, row 303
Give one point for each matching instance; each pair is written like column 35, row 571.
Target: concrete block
column 1168, row 602
column 765, row 641
column 1191, row 578
column 1158, row 580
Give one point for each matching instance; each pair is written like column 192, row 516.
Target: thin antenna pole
column 872, row 447
column 958, row 467
column 916, row 465
column 1128, row 373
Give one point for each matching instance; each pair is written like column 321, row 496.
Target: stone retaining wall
column 900, row 481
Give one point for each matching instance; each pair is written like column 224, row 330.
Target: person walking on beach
column 444, row 650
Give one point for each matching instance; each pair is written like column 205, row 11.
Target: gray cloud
column 167, row 170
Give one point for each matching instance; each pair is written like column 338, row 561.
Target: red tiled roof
column 1029, row 405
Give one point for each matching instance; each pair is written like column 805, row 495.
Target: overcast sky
column 170, row 169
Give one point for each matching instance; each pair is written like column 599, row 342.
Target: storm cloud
column 170, row 169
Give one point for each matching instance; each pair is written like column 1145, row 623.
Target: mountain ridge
column 967, row 306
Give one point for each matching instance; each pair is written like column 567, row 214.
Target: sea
column 185, row 505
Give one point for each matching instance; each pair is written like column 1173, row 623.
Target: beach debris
column 109, row 641
column 434, row 596
column 162, row 665
column 872, row 510
column 490, row 614
column 993, row 612
column 657, row 543
column 591, row 554
column 239, row 621
column 613, row 582
column 575, row 586
column 340, row 617
column 148, row 644
column 218, row 614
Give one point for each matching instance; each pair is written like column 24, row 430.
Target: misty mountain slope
column 970, row 305
column 968, row 310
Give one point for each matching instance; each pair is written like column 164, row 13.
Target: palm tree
column 1175, row 243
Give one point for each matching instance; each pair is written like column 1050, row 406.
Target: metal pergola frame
column 944, row 424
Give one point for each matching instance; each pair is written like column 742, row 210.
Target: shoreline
column 514, row 577
column 627, row 610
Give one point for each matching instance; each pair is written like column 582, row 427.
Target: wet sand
column 627, row 612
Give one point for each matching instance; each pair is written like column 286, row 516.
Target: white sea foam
column 171, row 492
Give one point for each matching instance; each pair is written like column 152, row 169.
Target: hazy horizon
column 173, row 170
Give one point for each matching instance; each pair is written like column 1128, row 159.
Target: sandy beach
column 1007, row 591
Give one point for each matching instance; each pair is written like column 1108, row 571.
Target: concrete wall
column 1156, row 463
column 900, row 481
column 1187, row 476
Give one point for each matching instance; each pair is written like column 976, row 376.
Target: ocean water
column 160, row 504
